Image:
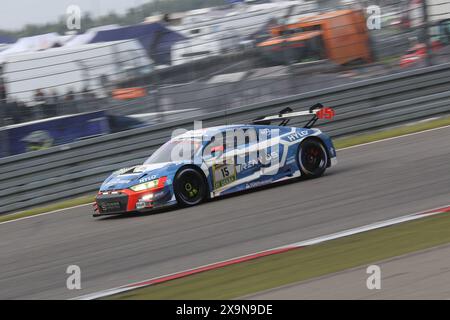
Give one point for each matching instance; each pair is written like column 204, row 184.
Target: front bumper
column 116, row 202
column 126, row 200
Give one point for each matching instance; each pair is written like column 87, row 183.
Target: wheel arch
column 320, row 140
column 198, row 169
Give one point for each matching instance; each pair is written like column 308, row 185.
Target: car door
column 269, row 151
column 220, row 160
column 247, row 154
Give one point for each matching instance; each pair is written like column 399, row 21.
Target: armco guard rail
column 78, row 168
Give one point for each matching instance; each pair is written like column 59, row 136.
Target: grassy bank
column 390, row 133
column 49, row 208
column 302, row 264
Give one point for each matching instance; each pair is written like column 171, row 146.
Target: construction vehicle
column 340, row 36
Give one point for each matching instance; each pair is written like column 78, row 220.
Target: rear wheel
column 312, row 158
column 190, row 187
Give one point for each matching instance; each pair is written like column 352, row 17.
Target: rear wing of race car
column 317, row 111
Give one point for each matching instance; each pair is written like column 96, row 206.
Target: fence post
column 426, row 33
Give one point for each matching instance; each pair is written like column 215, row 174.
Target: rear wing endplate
column 317, row 111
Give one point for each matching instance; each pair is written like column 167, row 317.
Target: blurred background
column 168, row 60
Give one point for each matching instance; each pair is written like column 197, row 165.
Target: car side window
column 214, row 147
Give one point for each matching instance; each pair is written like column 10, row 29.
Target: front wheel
column 189, row 187
column 312, row 158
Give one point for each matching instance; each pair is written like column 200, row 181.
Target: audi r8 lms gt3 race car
column 206, row 163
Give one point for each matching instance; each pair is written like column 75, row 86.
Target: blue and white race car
column 206, row 163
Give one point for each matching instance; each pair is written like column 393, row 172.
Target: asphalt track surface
column 419, row 275
column 371, row 183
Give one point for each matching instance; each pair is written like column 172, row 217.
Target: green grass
column 390, row 60
column 301, row 264
column 49, row 208
column 390, row 133
column 339, row 143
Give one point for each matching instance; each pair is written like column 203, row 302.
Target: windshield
column 175, row 150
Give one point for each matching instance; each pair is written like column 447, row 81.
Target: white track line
column 342, row 149
column 321, row 239
column 393, row 138
column 43, row 214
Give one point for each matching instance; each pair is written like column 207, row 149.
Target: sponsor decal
column 297, row 135
column 110, row 206
column 267, row 159
column 248, row 165
column 266, row 132
column 223, row 174
column 325, row 113
column 258, row 184
column 264, row 159
column 121, row 171
column 145, row 179
column 140, row 205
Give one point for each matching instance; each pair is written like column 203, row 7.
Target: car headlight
column 146, row 185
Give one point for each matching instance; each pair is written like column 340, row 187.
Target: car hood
column 128, row 177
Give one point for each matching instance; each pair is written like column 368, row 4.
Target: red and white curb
column 298, row 245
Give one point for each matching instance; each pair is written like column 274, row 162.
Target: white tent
column 4, row 46
column 72, row 68
column 88, row 35
column 30, row 44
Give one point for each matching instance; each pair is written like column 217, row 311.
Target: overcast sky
column 14, row 14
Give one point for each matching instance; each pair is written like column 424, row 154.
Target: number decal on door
column 223, row 174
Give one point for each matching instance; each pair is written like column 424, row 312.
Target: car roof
column 211, row 131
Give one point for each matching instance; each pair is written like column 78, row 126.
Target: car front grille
column 112, row 203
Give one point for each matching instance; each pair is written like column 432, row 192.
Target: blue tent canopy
column 6, row 39
column 154, row 37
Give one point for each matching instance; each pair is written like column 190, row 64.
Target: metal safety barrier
column 78, row 168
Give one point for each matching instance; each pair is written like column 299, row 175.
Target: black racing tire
column 312, row 158
column 190, row 187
